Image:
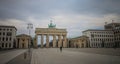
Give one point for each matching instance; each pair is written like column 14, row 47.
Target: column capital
column 59, row 34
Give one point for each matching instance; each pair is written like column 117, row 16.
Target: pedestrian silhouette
column 25, row 55
column 61, row 49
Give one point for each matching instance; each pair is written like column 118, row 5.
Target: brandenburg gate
column 54, row 32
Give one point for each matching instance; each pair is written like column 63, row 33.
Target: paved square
column 7, row 56
column 54, row 56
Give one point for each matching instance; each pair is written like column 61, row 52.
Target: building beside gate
column 109, row 37
column 23, row 41
column 99, row 38
column 79, row 42
column 115, row 27
column 7, row 36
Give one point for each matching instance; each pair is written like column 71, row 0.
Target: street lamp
column 113, row 29
column 29, row 27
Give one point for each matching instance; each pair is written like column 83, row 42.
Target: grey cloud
column 21, row 9
column 44, row 9
column 97, row 7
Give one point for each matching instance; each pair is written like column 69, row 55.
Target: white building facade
column 7, row 36
column 100, row 38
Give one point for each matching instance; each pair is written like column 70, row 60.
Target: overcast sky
column 74, row 15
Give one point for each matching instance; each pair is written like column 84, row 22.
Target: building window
column 6, row 38
column 9, row 44
column 10, row 29
column 6, row 45
column 3, row 29
column 3, row 33
column 2, row 44
column 10, row 38
column 3, row 39
column 7, row 29
column 9, row 33
column 91, row 39
column 0, row 33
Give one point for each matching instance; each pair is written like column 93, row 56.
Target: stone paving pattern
column 54, row 56
column 5, row 57
column 21, row 59
column 103, row 51
column 67, row 56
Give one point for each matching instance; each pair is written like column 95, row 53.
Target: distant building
column 7, row 36
column 115, row 27
column 109, row 37
column 79, row 42
column 99, row 38
column 23, row 41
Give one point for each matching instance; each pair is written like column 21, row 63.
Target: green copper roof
column 51, row 25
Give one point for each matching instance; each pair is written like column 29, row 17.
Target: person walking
column 60, row 48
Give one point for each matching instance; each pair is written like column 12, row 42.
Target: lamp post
column 113, row 29
column 29, row 27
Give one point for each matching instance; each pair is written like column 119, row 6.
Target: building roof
column 80, row 37
column 95, row 30
column 113, row 23
column 23, row 35
column 8, row 26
